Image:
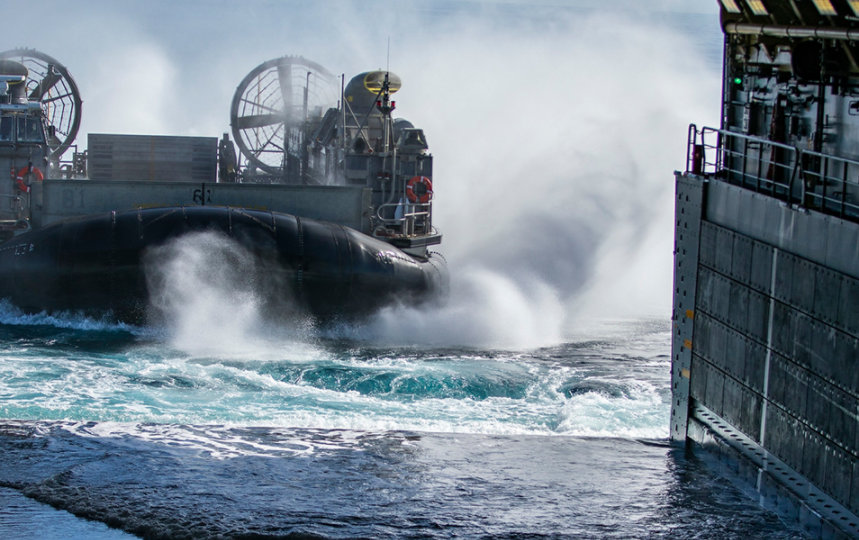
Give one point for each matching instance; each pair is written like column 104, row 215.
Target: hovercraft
column 330, row 195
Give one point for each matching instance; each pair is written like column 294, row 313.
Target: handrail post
column 802, row 193
column 793, row 175
column 691, row 140
column 720, row 157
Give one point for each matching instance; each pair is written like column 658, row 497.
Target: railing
column 799, row 177
column 75, row 167
column 409, row 219
column 12, row 215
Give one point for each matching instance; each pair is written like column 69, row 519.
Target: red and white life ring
column 23, row 172
column 419, row 189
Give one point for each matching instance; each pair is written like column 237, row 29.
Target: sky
column 555, row 125
column 172, row 66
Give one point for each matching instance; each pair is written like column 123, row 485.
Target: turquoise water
column 310, row 433
column 84, row 370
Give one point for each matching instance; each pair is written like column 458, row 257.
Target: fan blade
column 45, row 85
column 259, row 120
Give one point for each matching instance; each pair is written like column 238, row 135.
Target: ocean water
column 316, row 435
column 533, row 402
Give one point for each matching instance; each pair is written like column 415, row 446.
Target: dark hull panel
column 98, row 264
column 766, row 341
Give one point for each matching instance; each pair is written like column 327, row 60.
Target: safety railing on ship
column 409, row 219
column 13, row 215
column 799, row 177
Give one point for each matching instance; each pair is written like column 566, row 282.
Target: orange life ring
column 419, row 189
column 19, row 179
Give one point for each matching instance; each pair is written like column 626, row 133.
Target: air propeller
column 272, row 106
column 50, row 83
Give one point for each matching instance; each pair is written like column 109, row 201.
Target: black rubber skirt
column 103, row 264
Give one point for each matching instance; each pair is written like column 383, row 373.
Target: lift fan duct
column 272, row 107
column 49, row 83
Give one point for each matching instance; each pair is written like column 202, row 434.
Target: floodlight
column 757, row 7
column 824, row 7
column 732, row 7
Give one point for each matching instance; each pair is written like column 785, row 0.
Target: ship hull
column 106, row 264
column 765, row 346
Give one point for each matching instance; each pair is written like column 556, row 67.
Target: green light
column 738, row 80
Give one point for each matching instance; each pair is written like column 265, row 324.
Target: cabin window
column 6, row 128
column 30, row 130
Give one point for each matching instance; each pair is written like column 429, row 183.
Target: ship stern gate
column 765, row 335
column 766, row 322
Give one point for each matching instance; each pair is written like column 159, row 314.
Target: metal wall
column 152, row 157
column 775, row 341
column 687, row 232
column 60, row 199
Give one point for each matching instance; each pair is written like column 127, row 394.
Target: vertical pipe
column 343, row 114
column 726, row 94
column 821, row 96
column 305, row 156
column 844, row 189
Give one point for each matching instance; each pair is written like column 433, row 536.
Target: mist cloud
column 555, row 131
